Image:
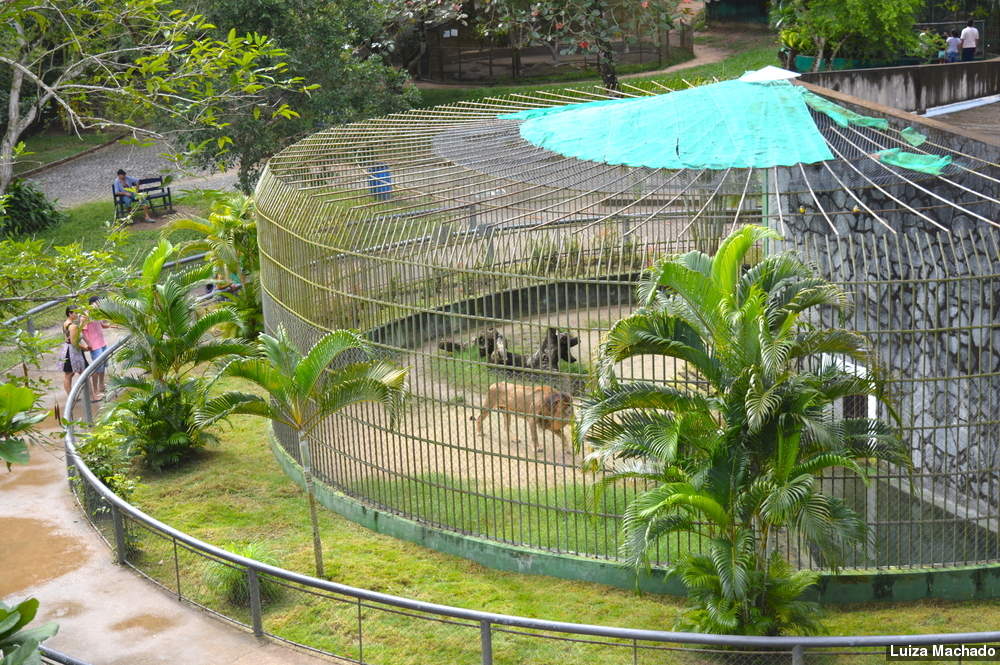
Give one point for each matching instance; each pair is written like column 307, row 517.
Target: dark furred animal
column 556, row 346
column 451, row 347
column 543, row 406
column 493, row 347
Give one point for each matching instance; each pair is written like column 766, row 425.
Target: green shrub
column 27, row 210
column 232, row 582
column 104, row 454
column 156, row 421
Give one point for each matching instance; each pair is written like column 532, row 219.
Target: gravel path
column 89, row 178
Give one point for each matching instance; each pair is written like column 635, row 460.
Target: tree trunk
column 606, row 64
column 306, row 459
column 413, row 66
column 12, row 132
column 820, row 51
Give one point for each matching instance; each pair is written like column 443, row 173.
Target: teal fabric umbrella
column 732, row 124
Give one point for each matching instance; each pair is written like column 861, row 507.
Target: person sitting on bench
column 124, row 190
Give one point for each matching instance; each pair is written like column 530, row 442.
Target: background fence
column 465, row 57
column 375, row 628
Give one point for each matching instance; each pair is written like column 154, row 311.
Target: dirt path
column 703, row 55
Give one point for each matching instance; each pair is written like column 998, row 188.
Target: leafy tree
column 167, row 342
column 132, row 65
column 27, row 210
column 848, row 28
column 229, row 241
column 734, row 453
column 408, row 21
column 592, row 26
column 32, row 273
column 18, row 417
column 337, row 46
column 302, row 391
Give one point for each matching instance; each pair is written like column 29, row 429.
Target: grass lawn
column 751, row 51
column 235, row 493
column 88, row 223
column 47, row 147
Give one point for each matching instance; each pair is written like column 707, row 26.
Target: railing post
column 31, row 326
column 256, row 618
column 486, row 641
column 121, row 544
column 88, row 406
column 798, row 655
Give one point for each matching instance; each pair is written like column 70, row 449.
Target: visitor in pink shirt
column 93, row 334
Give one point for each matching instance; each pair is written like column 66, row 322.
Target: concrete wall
column 915, row 88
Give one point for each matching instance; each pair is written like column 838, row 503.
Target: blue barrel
column 380, row 182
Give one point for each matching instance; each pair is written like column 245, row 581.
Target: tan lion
column 544, row 406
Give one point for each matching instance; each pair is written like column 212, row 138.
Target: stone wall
column 929, row 300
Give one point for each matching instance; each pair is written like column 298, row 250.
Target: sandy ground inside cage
column 438, row 432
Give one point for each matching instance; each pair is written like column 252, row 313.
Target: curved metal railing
column 371, row 627
column 53, row 657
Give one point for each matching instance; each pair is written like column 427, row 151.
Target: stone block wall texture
column 928, row 297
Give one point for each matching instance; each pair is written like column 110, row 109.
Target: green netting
column 931, row 164
column 913, row 137
column 732, row 124
column 841, row 115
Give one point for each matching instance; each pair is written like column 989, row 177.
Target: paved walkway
column 89, row 178
column 107, row 614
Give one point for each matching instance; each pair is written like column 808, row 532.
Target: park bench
column 149, row 191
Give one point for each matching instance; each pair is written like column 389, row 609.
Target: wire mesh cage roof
column 474, row 159
column 435, row 228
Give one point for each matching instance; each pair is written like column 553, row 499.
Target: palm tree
column 167, row 342
column 228, row 237
column 733, row 452
column 301, row 391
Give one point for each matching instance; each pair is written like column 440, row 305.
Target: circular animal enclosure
column 491, row 267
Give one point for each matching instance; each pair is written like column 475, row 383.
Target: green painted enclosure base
column 962, row 583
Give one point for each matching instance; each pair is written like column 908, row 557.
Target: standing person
column 124, row 192
column 970, row 40
column 73, row 360
column 93, row 335
column 954, row 43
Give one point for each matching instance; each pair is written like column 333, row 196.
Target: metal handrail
column 485, row 619
column 58, row 657
column 38, row 309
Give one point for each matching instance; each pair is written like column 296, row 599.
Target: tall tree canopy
column 138, row 65
column 337, row 46
column 580, row 26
